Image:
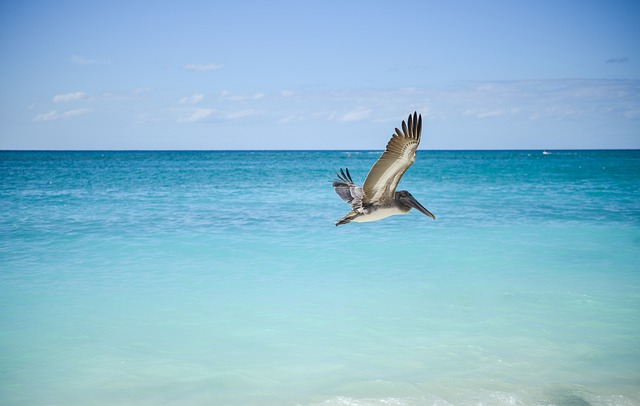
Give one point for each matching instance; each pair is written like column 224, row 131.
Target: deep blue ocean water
column 219, row 278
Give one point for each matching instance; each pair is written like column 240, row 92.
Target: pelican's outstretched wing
column 400, row 153
column 347, row 190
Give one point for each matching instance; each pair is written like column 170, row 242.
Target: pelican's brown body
column 377, row 198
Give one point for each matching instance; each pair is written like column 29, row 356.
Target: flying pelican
column 377, row 198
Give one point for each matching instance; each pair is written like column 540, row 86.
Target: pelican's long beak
column 412, row 202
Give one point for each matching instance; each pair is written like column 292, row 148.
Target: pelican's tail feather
column 348, row 218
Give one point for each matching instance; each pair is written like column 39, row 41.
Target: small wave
column 347, row 401
column 497, row 398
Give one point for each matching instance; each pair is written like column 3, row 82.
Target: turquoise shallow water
column 219, row 278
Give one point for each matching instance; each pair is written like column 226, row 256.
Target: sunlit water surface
column 219, row 278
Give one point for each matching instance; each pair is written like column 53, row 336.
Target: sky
column 112, row 75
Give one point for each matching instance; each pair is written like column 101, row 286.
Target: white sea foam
column 485, row 398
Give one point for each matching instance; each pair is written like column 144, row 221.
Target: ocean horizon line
column 321, row 150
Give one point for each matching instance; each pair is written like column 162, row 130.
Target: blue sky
column 318, row 74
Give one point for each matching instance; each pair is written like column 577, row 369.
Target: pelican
column 377, row 198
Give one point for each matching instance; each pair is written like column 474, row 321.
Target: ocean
column 219, row 278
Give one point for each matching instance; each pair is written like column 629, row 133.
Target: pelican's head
column 408, row 200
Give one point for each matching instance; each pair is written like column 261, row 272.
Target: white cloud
column 52, row 115
column 491, row 113
column 227, row 95
column 69, row 97
column 197, row 67
column 206, row 113
column 193, row 99
column 197, row 115
column 355, row 115
column 287, row 93
column 56, row 115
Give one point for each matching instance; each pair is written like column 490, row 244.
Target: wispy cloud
column 227, row 95
column 535, row 100
column 191, row 100
column 197, row 115
column 491, row 113
column 197, row 67
column 486, row 101
column 203, row 114
column 355, row 115
column 69, row 97
column 56, row 115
